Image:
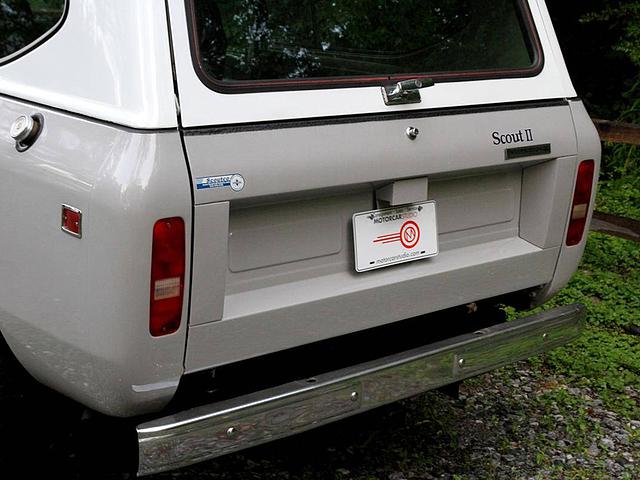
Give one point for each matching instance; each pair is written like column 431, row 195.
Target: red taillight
column 581, row 201
column 167, row 276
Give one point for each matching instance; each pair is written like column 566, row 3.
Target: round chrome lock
column 23, row 127
column 412, row 133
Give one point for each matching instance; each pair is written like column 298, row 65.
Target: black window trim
column 280, row 85
column 38, row 41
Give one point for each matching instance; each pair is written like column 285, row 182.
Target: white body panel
column 126, row 75
column 75, row 311
column 110, row 60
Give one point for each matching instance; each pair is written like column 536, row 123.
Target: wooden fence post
column 618, row 132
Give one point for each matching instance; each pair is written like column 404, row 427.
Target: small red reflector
column 167, row 276
column 71, row 221
column 581, row 201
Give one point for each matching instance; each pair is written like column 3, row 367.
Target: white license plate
column 395, row 235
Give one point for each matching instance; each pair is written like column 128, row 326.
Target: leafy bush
column 605, row 358
column 624, row 18
column 620, row 194
column 600, row 40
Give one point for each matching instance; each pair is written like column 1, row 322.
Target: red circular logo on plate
column 410, row 234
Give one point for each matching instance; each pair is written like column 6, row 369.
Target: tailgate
column 273, row 262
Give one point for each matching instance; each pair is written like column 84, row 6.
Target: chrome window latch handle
column 407, row 91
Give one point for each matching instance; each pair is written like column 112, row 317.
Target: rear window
column 275, row 44
column 23, row 22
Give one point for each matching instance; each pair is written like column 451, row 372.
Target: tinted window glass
column 24, row 21
column 250, row 40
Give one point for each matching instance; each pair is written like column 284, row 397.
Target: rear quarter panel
column 76, row 311
column 589, row 148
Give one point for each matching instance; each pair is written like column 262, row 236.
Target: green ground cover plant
column 620, row 196
column 607, row 357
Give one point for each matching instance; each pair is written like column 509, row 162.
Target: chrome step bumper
column 209, row 431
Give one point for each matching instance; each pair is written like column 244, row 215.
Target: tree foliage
column 626, row 18
column 601, row 44
column 23, row 21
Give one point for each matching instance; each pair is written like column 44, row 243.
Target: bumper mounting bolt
column 354, row 396
column 461, row 362
column 231, row 432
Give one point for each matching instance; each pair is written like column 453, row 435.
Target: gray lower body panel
column 210, row 431
column 265, row 320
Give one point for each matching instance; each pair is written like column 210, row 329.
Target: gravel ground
column 515, row 423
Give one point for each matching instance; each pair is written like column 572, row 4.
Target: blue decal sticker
column 234, row 181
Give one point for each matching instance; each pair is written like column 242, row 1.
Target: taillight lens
column 167, row 276
column 581, row 201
